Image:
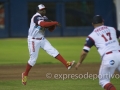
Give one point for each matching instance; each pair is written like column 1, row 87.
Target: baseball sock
column 28, row 67
column 60, row 58
column 109, row 86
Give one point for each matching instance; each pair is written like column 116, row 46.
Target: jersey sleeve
column 46, row 19
column 118, row 34
column 89, row 43
column 38, row 19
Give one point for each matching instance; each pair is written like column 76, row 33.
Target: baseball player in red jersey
column 104, row 38
column 36, row 40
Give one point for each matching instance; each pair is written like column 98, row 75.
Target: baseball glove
column 51, row 28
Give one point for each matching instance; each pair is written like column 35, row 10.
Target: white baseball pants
column 34, row 46
column 109, row 64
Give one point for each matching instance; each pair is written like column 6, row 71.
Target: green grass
column 15, row 51
column 80, row 84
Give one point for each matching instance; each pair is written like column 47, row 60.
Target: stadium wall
column 16, row 17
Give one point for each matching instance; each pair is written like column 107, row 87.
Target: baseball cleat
column 24, row 79
column 70, row 64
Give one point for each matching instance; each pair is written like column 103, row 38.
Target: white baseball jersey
column 104, row 38
column 35, row 30
column 36, row 39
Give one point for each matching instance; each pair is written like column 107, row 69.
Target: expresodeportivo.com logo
column 81, row 76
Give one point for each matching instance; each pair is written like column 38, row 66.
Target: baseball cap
column 97, row 19
column 40, row 7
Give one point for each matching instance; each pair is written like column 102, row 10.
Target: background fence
column 74, row 15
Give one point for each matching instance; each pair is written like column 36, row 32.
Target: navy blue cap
column 97, row 19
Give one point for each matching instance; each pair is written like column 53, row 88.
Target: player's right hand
column 58, row 25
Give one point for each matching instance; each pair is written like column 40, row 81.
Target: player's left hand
column 51, row 28
column 77, row 65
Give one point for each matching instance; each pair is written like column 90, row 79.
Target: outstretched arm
column 38, row 20
column 48, row 24
column 82, row 57
column 86, row 49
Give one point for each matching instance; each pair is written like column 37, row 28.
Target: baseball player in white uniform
column 104, row 38
column 36, row 40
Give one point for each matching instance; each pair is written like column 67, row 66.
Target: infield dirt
column 40, row 71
